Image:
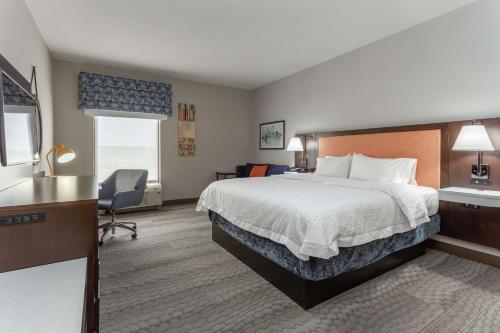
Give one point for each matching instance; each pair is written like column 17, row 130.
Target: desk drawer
column 66, row 233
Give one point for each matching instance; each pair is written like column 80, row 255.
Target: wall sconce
column 475, row 138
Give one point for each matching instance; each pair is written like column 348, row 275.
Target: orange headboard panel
column 424, row 145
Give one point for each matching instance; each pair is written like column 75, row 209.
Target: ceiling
column 238, row 43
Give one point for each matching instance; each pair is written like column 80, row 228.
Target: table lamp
column 475, row 138
column 295, row 144
column 63, row 155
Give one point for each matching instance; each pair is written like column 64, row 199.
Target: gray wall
column 445, row 69
column 22, row 45
column 222, row 129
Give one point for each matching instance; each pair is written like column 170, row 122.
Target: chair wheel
column 100, row 243
column 134, row 236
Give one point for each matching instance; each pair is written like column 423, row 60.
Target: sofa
column 243, row 171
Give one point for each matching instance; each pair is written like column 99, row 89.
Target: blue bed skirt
column 348, row 259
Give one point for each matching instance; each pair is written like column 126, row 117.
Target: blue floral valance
column 108, row 93
column 14, row 94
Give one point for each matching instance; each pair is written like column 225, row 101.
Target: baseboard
column 180, row 201
column 137, row 209
column 485, row 258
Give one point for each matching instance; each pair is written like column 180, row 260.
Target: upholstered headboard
column 424, row 145
column 438, row 165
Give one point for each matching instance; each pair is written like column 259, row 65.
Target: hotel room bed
column 314, row 215
column 359, row 215
column 316, row 236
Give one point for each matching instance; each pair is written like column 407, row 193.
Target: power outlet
column 22, row 218
column 480, row 174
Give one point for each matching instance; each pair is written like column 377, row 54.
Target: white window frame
column 158, row 143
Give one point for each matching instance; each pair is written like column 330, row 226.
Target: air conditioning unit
column 152, row 196
column 151, row 200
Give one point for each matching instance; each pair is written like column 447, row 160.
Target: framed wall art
column 187, row 129
column 272, row 135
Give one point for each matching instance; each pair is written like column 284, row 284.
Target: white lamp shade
column 295, row 145
column 473, row 138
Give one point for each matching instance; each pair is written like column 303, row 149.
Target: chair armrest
column 124, row 199
column 106, row 191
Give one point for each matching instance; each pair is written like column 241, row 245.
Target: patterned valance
column 108, row 93
column 14, row 94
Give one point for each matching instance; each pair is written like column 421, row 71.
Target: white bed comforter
column 315, row 215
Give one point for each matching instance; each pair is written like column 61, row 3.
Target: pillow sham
column 413, row 178
column 258, row 171
column 391, row 170
column 333, row 166
column 275, row 169
column 248, row 167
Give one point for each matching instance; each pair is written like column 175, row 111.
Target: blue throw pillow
column 274, row 169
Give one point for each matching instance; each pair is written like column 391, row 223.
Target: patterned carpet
column 173, row 278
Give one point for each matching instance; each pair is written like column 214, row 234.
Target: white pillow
column 413, row 177
column 393, row 170
column 336, row 156
column 334, row 166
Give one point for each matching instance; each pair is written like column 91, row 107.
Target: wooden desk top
column 50, row 190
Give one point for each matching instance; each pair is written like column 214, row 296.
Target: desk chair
column 123, row 189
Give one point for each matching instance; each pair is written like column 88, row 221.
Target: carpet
column 173, row 278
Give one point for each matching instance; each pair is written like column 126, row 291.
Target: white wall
column 222, row 128
column 22, row 45
column 445, row 69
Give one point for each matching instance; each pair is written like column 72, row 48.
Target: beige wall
column 445, row 69
column 222, row 128
column 22, row 45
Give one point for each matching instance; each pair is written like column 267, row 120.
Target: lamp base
column 303, row 165
column 480, row 174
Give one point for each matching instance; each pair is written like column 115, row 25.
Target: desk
column 48, row 298
column 50, row 220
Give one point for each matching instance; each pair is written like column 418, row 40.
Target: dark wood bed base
column 307, row 293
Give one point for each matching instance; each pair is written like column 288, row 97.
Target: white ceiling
column 239, row 43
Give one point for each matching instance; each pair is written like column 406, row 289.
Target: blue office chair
column 124, row 188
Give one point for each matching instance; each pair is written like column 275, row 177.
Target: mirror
column 19, row 132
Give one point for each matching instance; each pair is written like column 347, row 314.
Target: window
column 126, row 143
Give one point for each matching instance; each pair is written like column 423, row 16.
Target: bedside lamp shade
column 295, row 145
column 473, row 138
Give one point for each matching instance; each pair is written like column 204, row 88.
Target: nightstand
column 470, row 196
column 471, row 215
